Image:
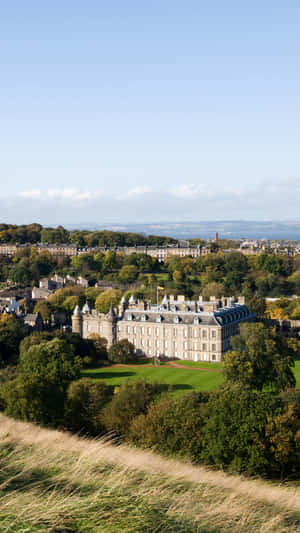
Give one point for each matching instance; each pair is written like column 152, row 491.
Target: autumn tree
column 260, row 358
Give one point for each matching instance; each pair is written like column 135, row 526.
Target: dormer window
column 159, row 318
column 144, row 318
column 130, row 317
column 177, row 319
column 196, row 320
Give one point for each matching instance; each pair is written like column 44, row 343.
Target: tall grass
column 51, row 481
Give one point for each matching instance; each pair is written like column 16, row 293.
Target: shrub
column 85, row 401
column 234, row 432
column 129, row 401
column 172, row 426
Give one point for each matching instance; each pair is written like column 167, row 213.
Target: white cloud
column 34, row 194
column 188, row 201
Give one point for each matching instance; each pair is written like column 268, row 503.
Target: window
column 204, row 334
column 128, row 329
column 165, row 332
column 213, row 357
column 159, row 318
column 142, row 342
column 144, row 318
column 195, row 333
column 195, row 346
column 174, row 345
column 157, row 344
column 157, row 332
column 142, row 330
column 166, row 344
column 185, row 355
column 149, row 331
column 213, row 347
column 185, row 345
column 204, row 347
column 149, row 342
column 175, row 332
column 185, row 332
column 213, row 333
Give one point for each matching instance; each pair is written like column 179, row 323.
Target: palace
column 176, row 328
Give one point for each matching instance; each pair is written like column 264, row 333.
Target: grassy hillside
column 54, row 482
column 181, row 379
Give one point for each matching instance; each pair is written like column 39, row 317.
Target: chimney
column 180, row 298
column 200, row 299
column 241, row 300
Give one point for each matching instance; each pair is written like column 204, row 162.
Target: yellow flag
column 161, row 288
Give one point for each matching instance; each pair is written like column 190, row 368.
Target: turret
column 122, row 306
column 108, row 323
column 77, row 321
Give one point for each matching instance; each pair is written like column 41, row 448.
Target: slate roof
column 220, row 317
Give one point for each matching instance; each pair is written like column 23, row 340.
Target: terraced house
column 176, row 328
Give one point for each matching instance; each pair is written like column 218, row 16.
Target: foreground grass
column 53, row 482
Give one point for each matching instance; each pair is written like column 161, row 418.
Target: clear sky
column 167, row 110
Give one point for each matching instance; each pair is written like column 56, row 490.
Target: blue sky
column 149, row 111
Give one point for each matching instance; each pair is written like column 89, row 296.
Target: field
column 51, row 481
column 180, row 379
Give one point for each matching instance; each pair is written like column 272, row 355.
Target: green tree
column 38, row 393
column 85, row 401
column 11, row 334
column 128, row 274
column 122, row 351
column 260, row 358
column 106, row 299
column 129, row 401
column 234, row 433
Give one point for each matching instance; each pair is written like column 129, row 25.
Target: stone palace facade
column 176, row 328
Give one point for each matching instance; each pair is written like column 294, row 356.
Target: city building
column 176, row 328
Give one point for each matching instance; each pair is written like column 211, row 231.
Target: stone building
column 192, row 330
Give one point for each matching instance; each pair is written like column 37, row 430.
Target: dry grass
column 51, row 481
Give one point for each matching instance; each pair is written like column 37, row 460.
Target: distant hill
column 52, row 481
column 234, row 229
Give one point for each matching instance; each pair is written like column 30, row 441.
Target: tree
column 11, row 334
column 45, row 309
column 234, row 432
column 122, row 351
column 129, row 401
column 39, row 391
column 260, row 358
column 213, row 289
column 85, row 401
column 128, row 274
column 100, row 344
column 106, row 299
column 283, row 432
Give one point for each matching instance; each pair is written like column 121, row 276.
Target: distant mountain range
column 228, row 229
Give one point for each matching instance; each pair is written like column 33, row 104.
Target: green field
column 181, row 380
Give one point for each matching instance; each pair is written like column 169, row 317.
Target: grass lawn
column 181, row 380
column 199, row 364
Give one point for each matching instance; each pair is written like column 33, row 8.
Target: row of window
column 193, row 356
column 157, row 331
column 196, row 346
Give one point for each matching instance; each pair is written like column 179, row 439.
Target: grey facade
column 196, row 331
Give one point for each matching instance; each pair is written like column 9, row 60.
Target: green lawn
column 199, row 364
column 182, row 380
